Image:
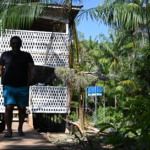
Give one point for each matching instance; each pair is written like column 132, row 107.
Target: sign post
column 95, row 113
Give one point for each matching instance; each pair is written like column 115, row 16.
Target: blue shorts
column 16, row 95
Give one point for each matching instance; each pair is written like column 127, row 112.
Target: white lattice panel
column 48, row 99
column 44, row 99
column 2, row 108
column 46, row 48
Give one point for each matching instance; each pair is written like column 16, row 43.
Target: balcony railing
column 47, row 48
column 44, row 99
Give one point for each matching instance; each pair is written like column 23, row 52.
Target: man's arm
column 31, row 76
column 1, row 70
column 1, row 74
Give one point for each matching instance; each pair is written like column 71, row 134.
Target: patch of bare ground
column 62, row 140
column 76, row 141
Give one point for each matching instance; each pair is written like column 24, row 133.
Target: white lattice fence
column 48, row 99
column 44, row 99
column 2, row 108
column 46, row 48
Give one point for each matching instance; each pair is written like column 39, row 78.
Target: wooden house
column 47, row 40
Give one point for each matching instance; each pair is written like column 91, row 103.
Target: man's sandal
column 8, row 135
column 21, row 133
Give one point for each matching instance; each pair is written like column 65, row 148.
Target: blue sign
column 96, row 89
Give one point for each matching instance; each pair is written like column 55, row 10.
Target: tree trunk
column 85, row 121
column 115, row 101
column 70, row 93
column 70, row 55
column 81, row 118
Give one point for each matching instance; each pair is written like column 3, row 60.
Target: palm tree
column 131, row 15
column 86, row 51
column 117, row 59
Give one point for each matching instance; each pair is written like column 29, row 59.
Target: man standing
column 15, row 68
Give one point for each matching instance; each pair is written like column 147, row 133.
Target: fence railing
column 47, row 48
column 44, row 99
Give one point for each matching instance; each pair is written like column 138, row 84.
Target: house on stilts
column 48, row 41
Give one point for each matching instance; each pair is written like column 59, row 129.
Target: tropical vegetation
column 124, row 58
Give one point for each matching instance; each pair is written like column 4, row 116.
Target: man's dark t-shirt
column 15, row 68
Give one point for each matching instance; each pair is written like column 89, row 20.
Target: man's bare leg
column 8, row 119
column 22, row 115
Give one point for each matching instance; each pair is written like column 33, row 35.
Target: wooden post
column 30, row 120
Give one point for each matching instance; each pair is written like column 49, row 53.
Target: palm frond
column 27, row 14
column 127, row 15
column 119, row 88
column 126, row 82
column 87, row 13
column 107, row 48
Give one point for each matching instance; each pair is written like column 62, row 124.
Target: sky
column 88, row 27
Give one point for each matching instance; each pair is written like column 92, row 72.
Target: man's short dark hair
column 18, row 38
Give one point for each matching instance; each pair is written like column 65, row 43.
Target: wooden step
column 17, row 120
